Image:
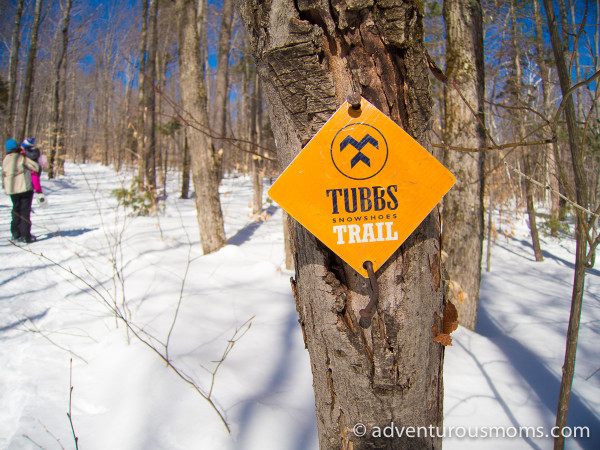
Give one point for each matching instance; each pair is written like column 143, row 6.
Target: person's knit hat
column 28, row 143
column 11, row 145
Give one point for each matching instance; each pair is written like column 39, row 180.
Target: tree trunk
column 29, row 73
column 311, row 56
column 222, row 78
column 552, row 149
column 161, row 179
column 56, row 97
column 86, row 127
column 12, row 71
column 463, row 205
column 577, row 154
column 149, row 154
column 488, row 264
column 141, row 91
column 61, row 151
column 185, row 171
column 105, row 113
column 525, row 156
column 257, row 161
column 203, row 161
column 529, row 201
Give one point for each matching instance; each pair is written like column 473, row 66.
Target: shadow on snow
column 246, row 233
column 541, row 380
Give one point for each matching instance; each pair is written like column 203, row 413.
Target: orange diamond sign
column 361, row 185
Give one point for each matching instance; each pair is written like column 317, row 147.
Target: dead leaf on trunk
column 449, row 324
column 443, row 339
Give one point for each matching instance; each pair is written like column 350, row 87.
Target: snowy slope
column 56, row 297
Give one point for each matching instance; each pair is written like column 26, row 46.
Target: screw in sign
column 361, row 185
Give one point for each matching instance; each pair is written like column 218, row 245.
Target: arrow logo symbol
column 363, row 162
column 360, row 157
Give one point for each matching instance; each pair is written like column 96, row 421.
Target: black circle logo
column 359, row 151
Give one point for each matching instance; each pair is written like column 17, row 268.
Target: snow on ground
column 57, row 298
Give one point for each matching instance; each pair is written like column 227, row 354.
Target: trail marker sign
column 361, row 185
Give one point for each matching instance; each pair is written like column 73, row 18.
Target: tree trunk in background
column 488, row 259
column 61, row 150
column 526, row 156
column 141, row 90
column 105, row 113
column 12, row 71
column 149, row 155
column 529, row 199
column 57, row 129
column 577, row 160
column 125, row 137
column 84, row 140
column 24, row 124
column 552, row 150
column 463, row 205
column 203, row 161
column 257, row 161
column 222, row 79
column 185, row 171
column 311, row 56
column 161, row 67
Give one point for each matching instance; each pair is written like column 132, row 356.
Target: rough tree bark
column 149, row 152
column 29, row 73
column 222, row 77
column 552, row 150
column 185, row 169
column 526, row 156
column 12, row 71
column 203, row 162
column 257, row 161
column 142, row 82
column 56, row 97
column 311, row 55
column 463, row 205
column 581, row 237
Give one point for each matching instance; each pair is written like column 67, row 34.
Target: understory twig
column 151, row 341
column 547, row 187
column 69, row 414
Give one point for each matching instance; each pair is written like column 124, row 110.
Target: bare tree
column 203, row 160
column 149, row 152
column 57, row 128
column 221, row 84
column 552, row 150
column 142, row 67
column 464, row 126
column 311, row 56
column 583, row 258
column 257, row 161
column 527, row 158
column 12, row 73
column 29, row 72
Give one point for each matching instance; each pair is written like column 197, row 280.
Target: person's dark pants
column 20, row 227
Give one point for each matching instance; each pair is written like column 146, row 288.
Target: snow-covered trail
column 124, row 397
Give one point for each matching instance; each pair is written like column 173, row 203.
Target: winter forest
column 166, row 301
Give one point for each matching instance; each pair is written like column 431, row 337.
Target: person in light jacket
column 33, row 153
column 16, row 179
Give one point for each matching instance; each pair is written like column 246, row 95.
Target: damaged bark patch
column 434, row 268
column 337, row 291
column 405, row 266
column 301, row 319
column 449, row 324
column 331, row 388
